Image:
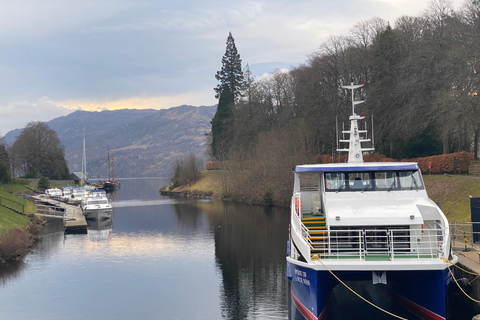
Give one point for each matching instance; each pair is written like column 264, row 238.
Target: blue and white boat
column 359, row 221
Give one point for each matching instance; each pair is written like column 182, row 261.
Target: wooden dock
column 74, row 220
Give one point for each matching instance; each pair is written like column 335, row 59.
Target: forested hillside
column 421, row 77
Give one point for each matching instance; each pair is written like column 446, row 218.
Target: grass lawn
column 8, row 218
column 453, row 193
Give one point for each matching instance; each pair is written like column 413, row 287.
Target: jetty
column 72, row 215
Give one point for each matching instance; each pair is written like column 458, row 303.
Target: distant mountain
column 143, row 142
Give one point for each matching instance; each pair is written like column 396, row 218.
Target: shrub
column 43, row 184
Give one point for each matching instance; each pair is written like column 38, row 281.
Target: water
column 158, row 258
column 168, row 258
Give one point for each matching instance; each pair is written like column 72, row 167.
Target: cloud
column 17, row 114
column 157, row 102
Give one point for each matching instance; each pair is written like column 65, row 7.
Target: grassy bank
column 452, row 192
column 208, row 184
column 17, row 232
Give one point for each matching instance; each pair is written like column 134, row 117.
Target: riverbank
column 452, row 192
column 18, row 232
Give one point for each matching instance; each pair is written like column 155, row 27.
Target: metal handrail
column 391, row 244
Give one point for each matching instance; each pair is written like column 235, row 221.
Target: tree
column 220, row 139
column 37, row 152
column 231, row 75
column 4, row 165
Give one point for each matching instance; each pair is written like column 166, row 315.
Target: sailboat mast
column 84, row 161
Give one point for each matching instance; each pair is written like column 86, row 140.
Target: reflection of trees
column 49, row 240
column 250, row 246
column 189, row 215
column 10, row 270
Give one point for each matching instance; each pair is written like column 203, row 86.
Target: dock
column 74, row 220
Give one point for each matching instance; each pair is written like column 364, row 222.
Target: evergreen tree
column 220, row 139
column 231, row 75
column 227, row 91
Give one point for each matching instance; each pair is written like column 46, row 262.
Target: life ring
column 298, row 206
column 329, row 185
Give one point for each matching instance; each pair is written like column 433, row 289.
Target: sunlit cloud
column 160, row 102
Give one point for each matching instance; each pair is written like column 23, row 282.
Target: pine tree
column 220, row 138
column 231, row 74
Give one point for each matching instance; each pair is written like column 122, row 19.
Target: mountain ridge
column 143, row 142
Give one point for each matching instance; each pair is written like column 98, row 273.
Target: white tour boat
column 96, row 205
column 374, row 222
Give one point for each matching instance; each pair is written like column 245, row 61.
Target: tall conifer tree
column 227, row 91
column 231, row 74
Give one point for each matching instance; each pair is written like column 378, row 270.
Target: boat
column 77, row 195
column 54, row 193
column 66, row 193
column 96, row 205
column 359, row 221
column 111, row 183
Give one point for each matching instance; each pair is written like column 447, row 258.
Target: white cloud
column 17, row 114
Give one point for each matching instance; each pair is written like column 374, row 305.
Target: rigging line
column 358, row 295
column 458, row 285
column 466, row 271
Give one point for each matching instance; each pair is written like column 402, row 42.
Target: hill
column 143, row 142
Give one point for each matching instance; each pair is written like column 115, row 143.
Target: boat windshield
column 373, row 181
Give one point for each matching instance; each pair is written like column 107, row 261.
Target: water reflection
column 99, row 229
column 250, row 254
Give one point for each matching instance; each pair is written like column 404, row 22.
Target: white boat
column 96, row 205
column 66, row 193
column 54, row 193
column 374, row 222
column 77, row 195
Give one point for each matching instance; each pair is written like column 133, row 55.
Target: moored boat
column 96, row 205
column 54, row 193
column 359, row 221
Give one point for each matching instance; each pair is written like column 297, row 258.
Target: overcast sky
column 59, row 56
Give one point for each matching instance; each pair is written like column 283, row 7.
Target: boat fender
column 298, row 206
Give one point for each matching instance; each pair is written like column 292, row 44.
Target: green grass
column 8, row 218
column 453, row 193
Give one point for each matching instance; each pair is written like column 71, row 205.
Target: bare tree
column 37, row 152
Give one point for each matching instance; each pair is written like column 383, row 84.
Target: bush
column 267, row 199
column 186, row 171
column 43, row 184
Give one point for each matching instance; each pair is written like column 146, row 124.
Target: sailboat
column 112, row 183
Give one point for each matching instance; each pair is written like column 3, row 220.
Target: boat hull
column 423, row 292
column 98, row 214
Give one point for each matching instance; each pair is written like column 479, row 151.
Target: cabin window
column 373, row 181
column 410, row 180
column 335, row 181
column 309, row 182
column 360, row 181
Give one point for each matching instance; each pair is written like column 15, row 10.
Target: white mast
column 355, row 150
column 84, row 161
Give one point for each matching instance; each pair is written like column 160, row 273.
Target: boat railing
column 297, row 221
column 389, row 244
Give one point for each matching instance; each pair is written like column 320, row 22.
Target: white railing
column 378, row 244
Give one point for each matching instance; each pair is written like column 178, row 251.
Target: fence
column 465, row 233
column 49, row 211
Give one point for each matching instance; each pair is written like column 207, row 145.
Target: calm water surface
column 157, row 258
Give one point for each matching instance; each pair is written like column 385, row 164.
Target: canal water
column 166, row 258
column 157, row 258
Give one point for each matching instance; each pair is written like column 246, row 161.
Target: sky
column 58, row 56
